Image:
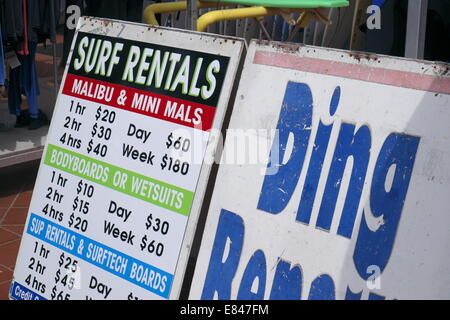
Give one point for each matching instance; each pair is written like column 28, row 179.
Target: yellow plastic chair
column 310, row 9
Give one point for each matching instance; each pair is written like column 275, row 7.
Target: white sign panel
column 350, row 200
column 122, row 175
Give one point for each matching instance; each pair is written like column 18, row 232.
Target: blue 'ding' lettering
column 372, row 247
column 295, row 118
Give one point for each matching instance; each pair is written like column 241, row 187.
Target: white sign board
column 122, row 176
column 350, row 200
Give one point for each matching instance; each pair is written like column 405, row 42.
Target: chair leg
column 239, row 13
column 169, row 7
column 263, row 28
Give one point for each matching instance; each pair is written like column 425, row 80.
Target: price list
column 118, row 174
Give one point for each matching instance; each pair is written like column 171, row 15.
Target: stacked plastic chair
column 309, row 9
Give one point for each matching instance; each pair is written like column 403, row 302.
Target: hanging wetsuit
column 2, row 61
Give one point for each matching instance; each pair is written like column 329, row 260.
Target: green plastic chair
column 255, row 9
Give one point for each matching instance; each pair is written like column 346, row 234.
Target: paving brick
column 18, row 229
column 9, row 253
column 15, row 216
column 6, row 200
column 23, row 199
column 4, row 290
column 2, row 213
column 7, row 236
column 5, row 274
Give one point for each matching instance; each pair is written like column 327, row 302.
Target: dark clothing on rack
column 127, row 10
column 39, row 22
column 34, row 20
column 2, row 63
column 12, row 20
column 47, row 18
